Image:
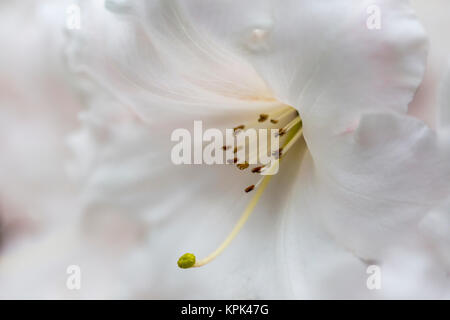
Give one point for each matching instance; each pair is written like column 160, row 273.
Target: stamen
column 295, row 132
column 188, row 260
column 282, row 111
column 281, row 132
column 238, row 128
column 250, row 188
column 277, row 154
column 257, row 169
column 262, row 151
column 292, row 124
column 263, row 117
column 292, row 141
column 233, row 161
column 287, row 113
column 288, row 127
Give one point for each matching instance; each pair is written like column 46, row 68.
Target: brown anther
column 232, row 161
column 250, row 188
column 257, row 169
column 236, row 149
column 281, row 132
column 263, row 117
column 273, row 121
column 243, row 166
column 238, row 128
column 277, row 154
column 225, row 148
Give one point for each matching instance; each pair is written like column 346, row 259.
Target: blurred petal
column 151, row 74
column 435, row 226
column 37, row 109
column 444, row 101
column 156, row 63
column 433, row 16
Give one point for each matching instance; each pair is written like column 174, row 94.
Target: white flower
column 369, row 174
column 350, row 194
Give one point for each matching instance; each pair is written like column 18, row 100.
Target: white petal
column 435, row 226
column 391, row 171
column 323, row 59
column 155, row 62
column 315, row 265
column 37, row 108
column 444, row 101
column 106, row 271
column 127, row 178
column 434, row 19
column 436, row 229
column 365, row 207
column 145, row 77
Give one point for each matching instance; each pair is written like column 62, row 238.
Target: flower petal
column 314, row 263
column 433, row 16
column 364, row 207
column 155, row 62
column 393, row 169
column 151, row 74
column 321, row 57
column 445, row 101
column 435, row 225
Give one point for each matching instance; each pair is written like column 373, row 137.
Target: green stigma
column 186, row 261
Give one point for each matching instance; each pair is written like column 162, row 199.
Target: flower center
column 285, row 125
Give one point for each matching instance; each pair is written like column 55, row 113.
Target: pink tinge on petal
column 424, row 105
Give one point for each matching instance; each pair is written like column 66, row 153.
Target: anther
column 297, row 120
column 277, row 154
column 257, row 169
column 250, row 188
column 236, row 149
column 232, row 161
column 225, row 148
column 273, row 121
column 238, row 128
column 281, row 132
column 263, row 117
column 243, row 166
